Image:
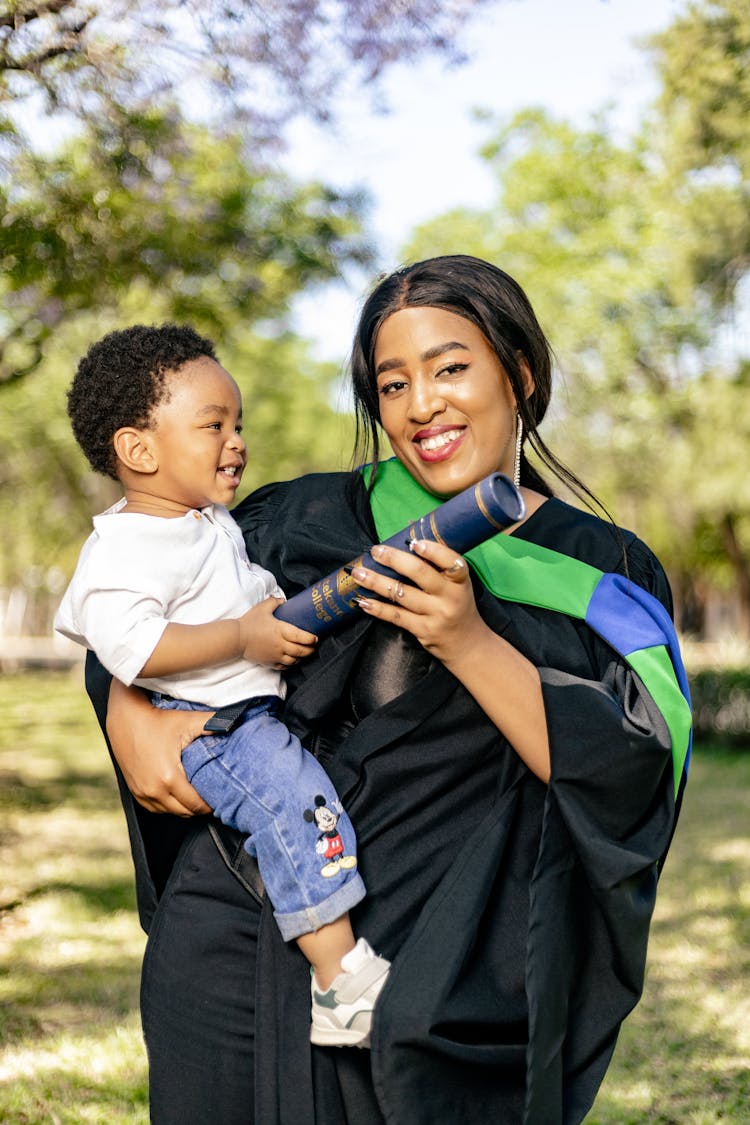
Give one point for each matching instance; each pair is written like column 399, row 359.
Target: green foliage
column 142, row 197
column 703, row 60
column 147, row 224
column 628, row 262
column 143, row 216
column 721, row 704
column 169, row 207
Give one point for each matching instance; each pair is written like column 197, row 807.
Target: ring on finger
column 456, row 572
column 400, row 590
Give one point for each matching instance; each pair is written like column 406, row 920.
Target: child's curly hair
column 120, row 381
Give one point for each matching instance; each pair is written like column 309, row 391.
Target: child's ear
column 134, row 450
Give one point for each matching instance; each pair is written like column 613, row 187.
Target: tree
column 168, row 206
column 128, row 201
column 592, row 234
column 617, row 249
column 99, row 235
column 144, row 215
column 264, row 59
column 703, row 61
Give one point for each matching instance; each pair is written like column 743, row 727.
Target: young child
column 165, row 595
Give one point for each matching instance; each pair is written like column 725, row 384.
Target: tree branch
column 20, row 16
column 31, row 63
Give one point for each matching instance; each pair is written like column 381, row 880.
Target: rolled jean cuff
column 311, row 918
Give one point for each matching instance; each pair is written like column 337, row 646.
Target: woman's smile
column 437, row 443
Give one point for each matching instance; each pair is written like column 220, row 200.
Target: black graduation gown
column 516, row 914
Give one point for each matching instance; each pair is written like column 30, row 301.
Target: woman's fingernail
column 363, row 603
column 358, row 574
column 377, row 551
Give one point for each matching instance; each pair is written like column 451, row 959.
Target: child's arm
column 257, row 636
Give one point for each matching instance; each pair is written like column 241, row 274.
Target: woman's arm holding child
column 148, row 742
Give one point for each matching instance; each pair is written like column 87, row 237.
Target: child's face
column 196, row 439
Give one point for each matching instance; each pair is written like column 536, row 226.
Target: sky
column 573, row 57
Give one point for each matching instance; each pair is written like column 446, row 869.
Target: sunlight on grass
column 75, row 1078
column 684, row 1055
column 71, row 1050
column 110, row 1055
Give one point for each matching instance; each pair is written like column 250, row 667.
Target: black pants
column 198, row 993
column 198, row 1008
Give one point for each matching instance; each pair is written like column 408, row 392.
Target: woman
column 510, row 779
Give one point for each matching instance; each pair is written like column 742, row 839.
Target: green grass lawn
column 70, row 945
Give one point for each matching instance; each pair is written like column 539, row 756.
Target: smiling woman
column 509, row 773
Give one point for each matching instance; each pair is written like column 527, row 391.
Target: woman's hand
column 436, row 604
column 148, row 743
column 438, row 608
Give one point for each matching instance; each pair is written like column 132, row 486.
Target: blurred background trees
column 138, row 183
column 636, row 255
column 124, row 207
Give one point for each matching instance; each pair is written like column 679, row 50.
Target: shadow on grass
column 39, row 1000
column 101, row 898
column 68, row 787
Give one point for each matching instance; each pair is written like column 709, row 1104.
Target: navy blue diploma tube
column 462, row 522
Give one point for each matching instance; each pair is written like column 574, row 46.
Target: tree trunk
column 741, row 564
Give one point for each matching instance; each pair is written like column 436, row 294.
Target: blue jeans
column 260, row 780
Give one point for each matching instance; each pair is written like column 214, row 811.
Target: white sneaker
column 342, row 1016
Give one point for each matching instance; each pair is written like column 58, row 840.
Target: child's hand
column 267, row 640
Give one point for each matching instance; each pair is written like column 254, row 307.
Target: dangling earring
column 519, row 443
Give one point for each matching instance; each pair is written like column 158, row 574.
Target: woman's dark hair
column 499, row 308
column 120, row 381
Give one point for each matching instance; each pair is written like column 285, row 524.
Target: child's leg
column 260, row 780
column 324, row 949
column 342, row 1012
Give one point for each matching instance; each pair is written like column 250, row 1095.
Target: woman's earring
column 519, row 443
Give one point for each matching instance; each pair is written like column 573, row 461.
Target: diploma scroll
column 462, row 522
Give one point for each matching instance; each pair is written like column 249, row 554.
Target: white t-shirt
column 138, row 573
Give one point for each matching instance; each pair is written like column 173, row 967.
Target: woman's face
column 446, row 403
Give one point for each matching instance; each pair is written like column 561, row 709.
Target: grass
column 70, row 945
column 684, row 1055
